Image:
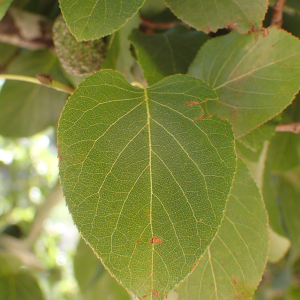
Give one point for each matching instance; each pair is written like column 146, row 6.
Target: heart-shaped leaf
column 256, row 76
column 208, row 15
column 145, row 180
column 93, row 19
column 232, row 267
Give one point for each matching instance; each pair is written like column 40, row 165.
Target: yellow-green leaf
column 145, row 180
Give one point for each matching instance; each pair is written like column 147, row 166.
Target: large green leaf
column 255, row 76
column 27, row 108
column 145, row 180
column 94, row 281
column 232, row 267
column 4, row 5
column 93, row 19
column 172, row 52
column 208, row 15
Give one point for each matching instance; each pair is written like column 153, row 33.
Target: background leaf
column 15, row 283
column 95, row 282
column 145, row 181
column 93, row 19
column 207, row 15
column 165, row 54
column 4, row 5
column 232, row 267
column 27, row 108
column 255, row 76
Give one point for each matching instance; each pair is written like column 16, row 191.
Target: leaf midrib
column 151, row 186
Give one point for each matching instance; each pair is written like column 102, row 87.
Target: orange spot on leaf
column 234, row 280
column 148, row 214
column 145, row 296
column 155, row 240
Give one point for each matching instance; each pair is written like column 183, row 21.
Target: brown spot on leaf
column 155, row 293
column 223, row 265
column 148, row 214
column 234, row 280
column 155, row 240
column 137, row 241
column 144, row 296
column 194, row 266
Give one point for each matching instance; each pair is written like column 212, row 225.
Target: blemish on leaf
column 144, row 296
column 223, row 265
column 155, row 240
column 148, row 214
column 155, row 293
column 194, row 266
column 234, row 280
column 137, row 241
column 192, row 103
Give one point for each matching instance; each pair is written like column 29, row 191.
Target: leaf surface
column 207, row 15
column 93, row 19
column 255, row 76
column 172, row 52
column 232, row 267
column 27, row 108
column 145, row 181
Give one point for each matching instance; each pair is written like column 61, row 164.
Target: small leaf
column 145, row 180
column 4, row 5
column 232, row 267
column 27, row 108
column 256, row 138
column 255, row 76
column 207, row 15
column 93, row 19
column 172, row 52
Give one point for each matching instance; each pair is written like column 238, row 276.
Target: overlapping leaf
column 145, row 180
column 210, row 15
column 233, row 265
column 93, row 19
column 172, row 52
column 256, row 76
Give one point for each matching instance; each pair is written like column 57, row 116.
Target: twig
column 42, row 79
column 27, row 30
column 277, row 13
column 289, row 127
